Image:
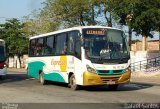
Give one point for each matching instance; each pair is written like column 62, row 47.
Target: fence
column 148, row 65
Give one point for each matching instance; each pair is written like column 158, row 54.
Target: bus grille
column 107, row 79
column 109, row 72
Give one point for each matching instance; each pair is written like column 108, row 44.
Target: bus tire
column 41, row 79
column 113, row 87
column 28, row 76
column 72, row 83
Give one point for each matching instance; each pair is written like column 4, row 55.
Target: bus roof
column 70, row 29
column 1, row 40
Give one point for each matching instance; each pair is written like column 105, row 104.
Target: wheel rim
column 41, row 79
column 73, row 82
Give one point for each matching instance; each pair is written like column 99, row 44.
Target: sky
column 18, row 8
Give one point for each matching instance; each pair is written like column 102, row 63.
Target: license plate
column 111, row 82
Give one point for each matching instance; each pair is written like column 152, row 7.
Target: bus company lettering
column 62, row 63
column 53, row 62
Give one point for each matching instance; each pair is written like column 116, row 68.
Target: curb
column 145, row 83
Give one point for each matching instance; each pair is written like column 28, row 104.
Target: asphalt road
column 19, row 88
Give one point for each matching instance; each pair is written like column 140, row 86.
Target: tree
column 40, row 22
column 66, row 13
column 142, row 16
column 15, row 37
column 106, row 8
column 123, row 13
column 72, row 12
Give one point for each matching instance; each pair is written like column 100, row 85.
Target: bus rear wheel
column 72, row 83
column 113, row 87
column 41, row 79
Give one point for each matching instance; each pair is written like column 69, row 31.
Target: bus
column 3, row 68
column 81, row 56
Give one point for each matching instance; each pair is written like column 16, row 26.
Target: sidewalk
column 152, row 80
column 16, row 70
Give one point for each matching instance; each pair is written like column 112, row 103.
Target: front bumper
column 3, row 71
column 95, row 79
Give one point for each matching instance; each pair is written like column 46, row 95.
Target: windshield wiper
column 96, row 57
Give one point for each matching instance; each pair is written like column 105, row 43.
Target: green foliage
column 15, row 37
column 72, row 12
column 106, row 8
column 142, row 16
column 40, row 22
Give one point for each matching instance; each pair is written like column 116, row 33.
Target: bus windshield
column 109, row 44
column 2, row 53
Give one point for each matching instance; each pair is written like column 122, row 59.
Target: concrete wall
column 151, row 46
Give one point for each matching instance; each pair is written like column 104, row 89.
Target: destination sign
column 95, row 32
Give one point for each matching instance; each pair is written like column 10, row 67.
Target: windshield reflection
column 110, row 45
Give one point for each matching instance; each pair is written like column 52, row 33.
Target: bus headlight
column 128, row 69
column 90, row 69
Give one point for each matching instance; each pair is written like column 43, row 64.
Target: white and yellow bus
column 81, row 56
column 3, row 68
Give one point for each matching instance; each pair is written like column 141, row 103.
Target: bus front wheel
column 41, row 79
column 72, row 83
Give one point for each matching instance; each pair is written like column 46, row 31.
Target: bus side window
column 71, row 44
column 50, row 46
column 40, row 46
column 78, row 47
column 32, row 49
column 74, row 44
column 61, row 45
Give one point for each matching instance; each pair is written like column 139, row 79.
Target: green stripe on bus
column 54, row 77
column 34, row 68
